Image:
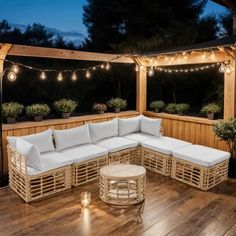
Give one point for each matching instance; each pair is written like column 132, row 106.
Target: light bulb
column 151, row 72
column 102, row 66
column 15, row 68
column 108, row 66
column 11, row 76
column 87, row 74
column 222, row 68
column 136, row 68
column 74, row 76
column 141, row 67
column 60, row 77
column 213, row 54
column 94, row 68
column 228, row 69
column 204, row 55
column 43, row 75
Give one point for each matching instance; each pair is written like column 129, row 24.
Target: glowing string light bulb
column 60, row 77
column 43, row 75
column 102, row 66
column 108, row 66
column 150, row 71
column 74, row 76
column 222, row 68
column 136, row 68
column 228, row 69
column 11, row 76
column 87, row 74
column 15, row 68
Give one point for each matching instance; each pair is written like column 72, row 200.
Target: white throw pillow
column 43, row 141
column 131, row 125
column 31, row 153
column 151, row 126
column 71, row 137
column 103, row 130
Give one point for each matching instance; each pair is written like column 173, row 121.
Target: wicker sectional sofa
column 52, row 161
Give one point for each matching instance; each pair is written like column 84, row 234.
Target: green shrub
column 182, row 108
column 211, row 108
column 226, row 131
column 117, row 103
column 171, row 108
column 99, row 107
column 12, row 109
column 157, row 105
column 38, row 110
column 65, row 105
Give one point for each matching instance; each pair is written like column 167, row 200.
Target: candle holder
column 85, row 199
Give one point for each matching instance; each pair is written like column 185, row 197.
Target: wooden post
column 141, row 90
column 230, row 93
column 3, row 52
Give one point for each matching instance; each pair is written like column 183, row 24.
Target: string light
column 15, row 68
column 88, row 74
column 74, row 76
column 60, row 77
column 228, row 69
column 94, row 68
column 11, row 76
column 150, row 71
column 136, row 68
column 222, row 68
column 108, row 66
column 43, row 75
column 204, row 55
column 102, row 66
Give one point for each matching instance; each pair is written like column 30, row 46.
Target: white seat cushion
column 84, row 152
column 201, row 155
column 71, row 137
column 131, row 125
column 164, row 145
column 50, row 161
column 116, row 144
column 43, row 140
column 139, row 137
column 31, row 153
column 151, row 126
column 103, row 130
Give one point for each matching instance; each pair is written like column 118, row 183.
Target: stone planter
column 38, row 118
column 210, row 116
column 117, row 110
column 66, row 115
column 11, row 120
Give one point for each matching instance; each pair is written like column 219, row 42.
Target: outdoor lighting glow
column 60, row 76
column 87, row 74
column 11, row 76
column 74, row 76
column 136, row 68
column 222, row 68
column 94, row 68
column 85, row 199
column 204, row 55
column 108, row 66
column 213, row 54
column 43, row 75
column 141, row 67
column 151, row 72
column 15, row 68
column 228, row 69
column 102, row 66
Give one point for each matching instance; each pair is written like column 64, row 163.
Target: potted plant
column 211, row 109
column 226, row 131
column 117, row 104
column 171, row 108
column 65, row 107
column 99, row 108
column 11, row 110
column 157, row 105
column 38, row 111
column 182, row 108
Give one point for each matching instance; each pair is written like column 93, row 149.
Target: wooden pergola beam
column 32, row 51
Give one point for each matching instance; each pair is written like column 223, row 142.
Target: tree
column 226, row 21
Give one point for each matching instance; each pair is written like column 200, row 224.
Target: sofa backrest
column 130, row 125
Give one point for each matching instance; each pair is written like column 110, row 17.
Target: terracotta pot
column 66, row 115
column 210, row 116
column 38, row 118
column 11, row 120
column 117, row 110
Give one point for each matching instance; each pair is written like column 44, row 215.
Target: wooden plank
column 141, row 90
column 32, row 51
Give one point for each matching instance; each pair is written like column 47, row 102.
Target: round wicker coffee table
column 122, row 184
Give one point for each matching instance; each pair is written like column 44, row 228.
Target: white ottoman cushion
column 164, row 145
column 116, row 144
column 103, row 130
column 31, row 153
column 201, row 155
column 131, row 125
column 139, row 137
column 151, row 126
column 71, row 137
column 84, row 152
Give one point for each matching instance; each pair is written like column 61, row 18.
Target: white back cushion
column 11, row 140
column 31, row 153
column 43, row 140
column 151, row 126
column 71, row 137
column 103, row 130
column 128, row 126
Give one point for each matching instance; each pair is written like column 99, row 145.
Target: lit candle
column 85, row 199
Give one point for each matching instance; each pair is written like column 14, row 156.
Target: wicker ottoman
column 200, row 166
column 157, row 153
column 122, row 184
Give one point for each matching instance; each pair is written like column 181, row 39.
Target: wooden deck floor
column 171, row 208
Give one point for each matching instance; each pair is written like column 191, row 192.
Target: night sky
column 63, row 15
